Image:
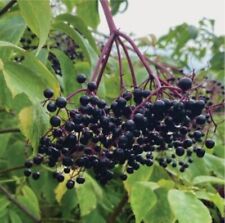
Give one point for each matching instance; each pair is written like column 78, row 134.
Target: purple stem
column 141, row 57
column 101, row 58
column 105, row 60
column 108, row 15
column 120, row 67
column 75, row 93
column 129, row 63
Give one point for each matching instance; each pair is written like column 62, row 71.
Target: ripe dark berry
column 48, row 93
column 28, row 163
column 37, row 160
column 61, row 102
column 127, row 95
column 84, row 100
column 200, row 152
column 179, row 151
column 59, row 177
column 66, row 170
column 197, row 135
column 70, row 184
column 80, row 180
column 185, row 83
column 91, row 86
column 27, row 172
column 51, row 106
column 209, row 143
column 55, row 121
column 81, row 78
column 201, row 119
column 123, row 177
column 36, row 175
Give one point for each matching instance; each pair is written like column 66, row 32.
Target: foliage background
column 150, row 194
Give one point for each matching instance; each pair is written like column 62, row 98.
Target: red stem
column 141, row 57
column 75, row 93
column 120, row 68
column 129, row 63
column 108, row 15
column 101, row 58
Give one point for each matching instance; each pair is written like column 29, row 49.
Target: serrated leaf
column 142, row 199
column 37, row 15
column 33, row 122
column 186, row 205
column 207, row 179
column 31, row 78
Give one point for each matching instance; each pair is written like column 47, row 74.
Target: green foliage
column 155, row 195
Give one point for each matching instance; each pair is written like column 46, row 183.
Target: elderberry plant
column 166, row 120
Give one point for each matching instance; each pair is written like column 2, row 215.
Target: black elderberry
column 80, row 180
column 91, row 86
column 201, row 119
column 185, row 83
column 36, row 175
column 127, row 95
column 60, row 177
column 123, row 177
column 27, row 172
column 61, row 102
column 55, row 121
column 48, row 93
column 69, row 126
column 51, row 106
column 179, row 151
column 70, row 184
column 37, row 160
column 209, row 143
column 81, row 78
column 28, row 163
column 84, row 100
column 200, row 152
column 66, row 170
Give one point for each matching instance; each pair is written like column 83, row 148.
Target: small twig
column 9, row 130
column 117, row 210
column 7, row 7
column 11, row 169
column 19, row 205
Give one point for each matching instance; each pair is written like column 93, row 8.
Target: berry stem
column 141, row 57
column 129, row 62
column 9, row 130
column 75, row 93
column 122, row 87
column 101, row 58
column 108, row 15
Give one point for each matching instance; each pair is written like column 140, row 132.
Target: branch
column 117, row 210
column 11, row 169
column 19, row 205
column 9, row 130
column 7, row 7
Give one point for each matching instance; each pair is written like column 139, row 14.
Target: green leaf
column 31, row 78
column 8, row 45
column 90, row 10
column 4, row 203
column 37, row 15
column 14, row 217
column 68, row 72
column 142, row 199
column 217, row 61
column 12, row 27
column 88, row 51
column 115, row 5
column 215, row 164
column 142, row 174
column 28, row 198
column 185, row 205
column 33, row 122
column 212, row 197
column 161, row 212
column 207, row 179
column 91, row 190
column 79, row 25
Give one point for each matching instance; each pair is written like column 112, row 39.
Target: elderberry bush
column 112, row 140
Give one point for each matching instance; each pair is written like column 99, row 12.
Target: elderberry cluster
column 113, row 140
